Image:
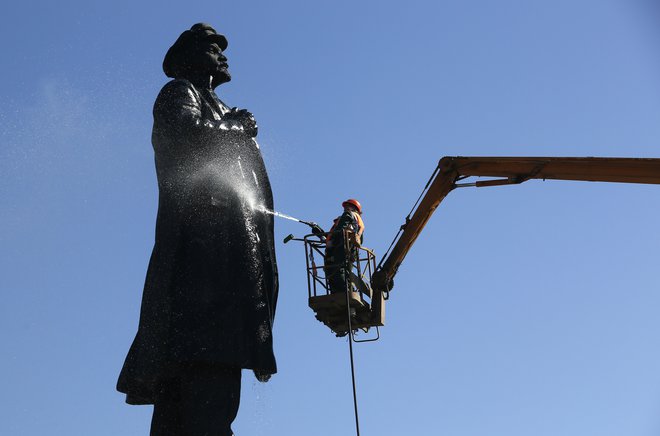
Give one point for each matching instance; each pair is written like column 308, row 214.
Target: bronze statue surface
column 211, row 288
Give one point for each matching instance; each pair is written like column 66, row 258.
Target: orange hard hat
column 354, row 203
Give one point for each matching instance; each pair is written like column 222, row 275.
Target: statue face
column 214, row 62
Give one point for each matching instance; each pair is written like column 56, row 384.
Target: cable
column 426, row 187
column 350, row 347
column 350, row 336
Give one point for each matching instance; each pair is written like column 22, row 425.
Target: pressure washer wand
column 316, row 229
column 312, row 224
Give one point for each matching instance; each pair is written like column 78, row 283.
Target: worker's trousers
column 335, row 272
column 200, row 401
column 335, row 268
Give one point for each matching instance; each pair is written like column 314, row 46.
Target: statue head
column 198, row 52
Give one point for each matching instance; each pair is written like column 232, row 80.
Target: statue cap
column 197, row 33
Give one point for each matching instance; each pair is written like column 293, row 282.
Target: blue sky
column 520, row 310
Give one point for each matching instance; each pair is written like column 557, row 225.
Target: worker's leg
column 336, row 277
column 337, row 281
column 210, row 398
column 335, row 271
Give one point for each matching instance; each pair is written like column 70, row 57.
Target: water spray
column 263, row 209
column 316, row 229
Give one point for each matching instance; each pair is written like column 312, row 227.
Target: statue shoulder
column 178, row 89
column 177, row 93
column 178, row 84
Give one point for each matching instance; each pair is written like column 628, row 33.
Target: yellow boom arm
column 508, row 170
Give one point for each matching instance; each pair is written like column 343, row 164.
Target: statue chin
column 221, row 77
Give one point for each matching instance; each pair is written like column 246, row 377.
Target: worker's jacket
column 349, row 220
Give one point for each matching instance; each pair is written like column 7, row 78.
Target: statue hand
column 245, row 118
column 262, row 376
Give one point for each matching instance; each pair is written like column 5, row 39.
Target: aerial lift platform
column 366, row 309
column 368, row 286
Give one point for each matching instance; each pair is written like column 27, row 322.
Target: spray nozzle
column 316, row 229
column 288, row 238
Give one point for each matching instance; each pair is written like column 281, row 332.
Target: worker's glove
column 354, row 239
column 317, row 230
column 263, row 377
column 244, row 119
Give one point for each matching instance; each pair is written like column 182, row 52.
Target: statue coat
column 211, row 287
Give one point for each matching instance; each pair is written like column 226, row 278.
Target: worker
column 335, row 255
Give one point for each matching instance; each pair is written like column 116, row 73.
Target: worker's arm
column 354, row 239
column 508, row 170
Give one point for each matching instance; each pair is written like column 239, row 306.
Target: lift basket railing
column 328, row 299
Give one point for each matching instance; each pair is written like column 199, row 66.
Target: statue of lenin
column 211, row 287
